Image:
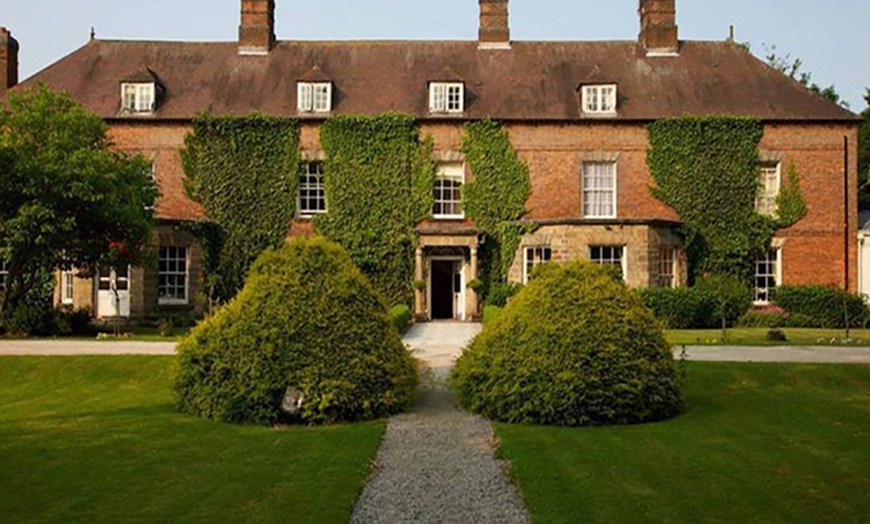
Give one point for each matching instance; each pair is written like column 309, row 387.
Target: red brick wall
column 161, row 144
column 812, row 249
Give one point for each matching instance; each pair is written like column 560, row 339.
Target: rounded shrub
column 306, row 340
column 574, row 348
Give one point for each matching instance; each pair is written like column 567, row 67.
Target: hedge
column 698, row 307
column 826, row 306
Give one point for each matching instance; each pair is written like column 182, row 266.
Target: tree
column 793, row 67
column 864, row 154
column 67, row 200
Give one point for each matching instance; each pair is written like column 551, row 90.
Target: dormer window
column 446, row 97
column 314, row 97
column 599, row 100
column 139, row 97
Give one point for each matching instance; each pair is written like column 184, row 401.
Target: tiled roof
column 530, row 81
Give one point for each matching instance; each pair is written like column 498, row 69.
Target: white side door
column 113, row 293
column 864, row 265
column 458, row 291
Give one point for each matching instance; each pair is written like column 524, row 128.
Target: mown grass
column 96, row 439
column 758, row 337
column 757, row 443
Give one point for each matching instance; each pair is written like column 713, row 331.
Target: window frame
column 661, row 264
column 530, row 264
column 623, row 264
column 144, row 97
column 614, row 190
column 4, row 274
column 596, row 91
column 440, row 103
column 308, row 99
column 443, row 174
column 173, row 301
column 765, row 204
column 776, row 275
column 305, row 172
column 67, row 287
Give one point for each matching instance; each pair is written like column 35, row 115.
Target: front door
column 113, row 292
column 446, row 290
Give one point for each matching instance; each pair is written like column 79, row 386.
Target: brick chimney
column 658, row 27
column 8, row 61
column 494, row 32
column 257, row 32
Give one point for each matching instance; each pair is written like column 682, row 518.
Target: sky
column 826, row 36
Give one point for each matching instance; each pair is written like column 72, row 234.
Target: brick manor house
column 576, row 112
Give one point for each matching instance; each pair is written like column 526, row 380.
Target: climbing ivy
column 790, row 205
column 379, row 179
column 244, row 172
column 707, row 170
column 495, row 199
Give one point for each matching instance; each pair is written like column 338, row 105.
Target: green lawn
column 758, row 337
column 96, row 439
column 757, row 443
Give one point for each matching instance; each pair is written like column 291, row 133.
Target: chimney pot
column 257, row 31
column 494, row 29
column 658, row 27
column 8, row 61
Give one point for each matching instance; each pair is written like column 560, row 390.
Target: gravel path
column 436, row 463
column 797, row 354
column 70, row 347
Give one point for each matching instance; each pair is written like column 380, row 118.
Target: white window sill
column 167, row 302
column 309, row 215
column 448, row 217
column 611, row 114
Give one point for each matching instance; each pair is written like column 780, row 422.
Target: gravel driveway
column 436, row 463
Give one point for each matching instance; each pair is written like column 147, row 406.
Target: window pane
column 768, row 189
column 666, row 266
column 4, row 275
column 765, row 275
column 304, row 96
column 599, row 189
column 172, row 274
column 536, row 256
column 607, row 255
column 447, row 190
column 437, row 97
column 312, row 190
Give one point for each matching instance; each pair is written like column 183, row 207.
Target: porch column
column 473, row 302
column 419, row 307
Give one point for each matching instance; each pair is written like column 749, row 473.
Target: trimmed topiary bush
column 574, row 348
column 306, row 340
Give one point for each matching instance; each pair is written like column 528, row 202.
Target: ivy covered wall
column 707, row 170
column 243, row 171
column 495, row 200
column 379, row 179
